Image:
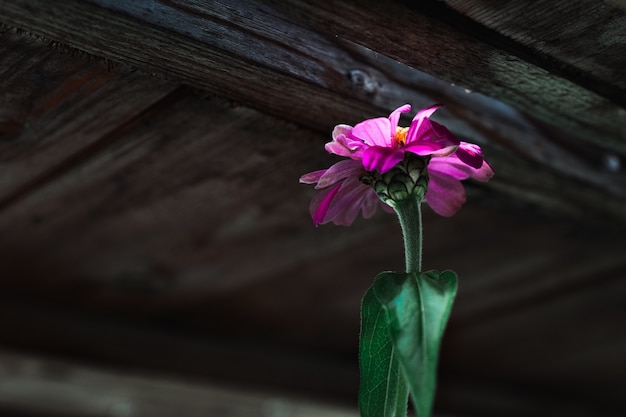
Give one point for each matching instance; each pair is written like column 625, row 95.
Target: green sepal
column 417, row 307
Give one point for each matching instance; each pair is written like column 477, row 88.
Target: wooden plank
column 476, row 117
column 567, row 340
column 458, row 58
column 216, row 56
column 177, row 56
column 581, row 40
column 450, row 54
column 476, row 396
column 154, row 343
column 164, row 218
column 58, row 105
column 39, row 386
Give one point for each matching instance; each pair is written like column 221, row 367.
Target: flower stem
column 409, row 213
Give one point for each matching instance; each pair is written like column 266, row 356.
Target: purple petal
column 312, row 177
column 381, row 159
column 343, row 130
column 370, row 203
column 394, row 117
column 320, row 204
column 431, row 138
column 418, row 121
column 427, row 112
column 443, row 152
column 338, row 148
column 343, row 144
column 445, row 194
column 429, row 148
column 339, row 171
column 484, row 173
column 350, row 211
column 471, row 154
column 374, row 132
column 348, row 202
column 453, row 166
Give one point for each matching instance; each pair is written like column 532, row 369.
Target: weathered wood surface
column 168, row 221
column 580, row 40
column 49, row 100
column 40, row 386
column 594, row 190
column 146, row 222
column 245, row 49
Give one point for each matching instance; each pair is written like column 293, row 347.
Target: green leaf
column 383, row 391
column 417, row 307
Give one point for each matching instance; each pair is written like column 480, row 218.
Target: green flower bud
column 407, row 180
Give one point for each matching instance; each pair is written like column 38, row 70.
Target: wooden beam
column 322, row 82
column 243, row 50
column 112, row 340
column 40, row 386
column 59, row 106
column 579, row 40
column 179, row 57
column 452, row 54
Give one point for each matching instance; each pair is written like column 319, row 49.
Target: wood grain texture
column 450, row 54
column 43, row 386
column 179, row 57
column 579, row 181
column 210, row 47
column 583, row 40
column 230, row 180
column 49, row 101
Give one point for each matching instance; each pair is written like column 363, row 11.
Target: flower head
column 375, row 147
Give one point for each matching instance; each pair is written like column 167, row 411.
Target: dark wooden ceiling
column 158, row 257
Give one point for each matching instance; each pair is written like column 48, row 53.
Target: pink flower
column 379, row 145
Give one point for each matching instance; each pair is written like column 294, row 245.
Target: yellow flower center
column 400, row 138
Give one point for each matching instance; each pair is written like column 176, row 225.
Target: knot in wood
column 363, row 81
